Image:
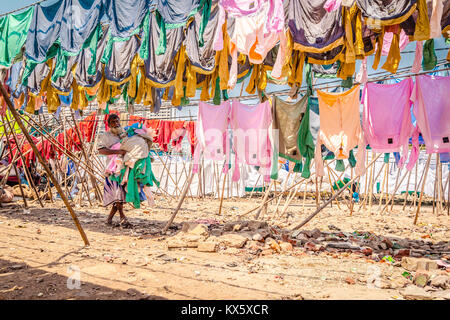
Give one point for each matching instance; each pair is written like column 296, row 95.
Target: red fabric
column 164, row 135
column 190, row 126
column 178, row 132
column 88, row 126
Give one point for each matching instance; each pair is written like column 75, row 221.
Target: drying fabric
column 325, row 71
column 362, row 76
column 161, row 69
column 248, row 37
column 13, row 33
column 417, row 57
column 64, row 84
column 13, row 81
column 118, row 67
column 40, row 72
column 191, row 127
column 332, row 5
column 431, row 98
column 387, row 119
column 436, row 16
column 176, row 13
column 445, row 21
column 71, row 22
column 252, row 144
column 126, row 16
column 273, row 21
column 314, row 29
column 294, row 137
column 212, row 133
column 429, row 55
column 202, row 58
column 340, row 128
column 387, row 42
column 88, row 72
column 384, row 12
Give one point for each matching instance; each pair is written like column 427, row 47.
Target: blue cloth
column 445, row 157
column 13, row 81
column 126, row 16
column 70, row 22
column 66, row 100
column 177, row 12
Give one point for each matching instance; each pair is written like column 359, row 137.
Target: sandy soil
column 41, row 252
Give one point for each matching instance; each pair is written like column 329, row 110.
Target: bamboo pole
column 423, row 188
column 43, row 163
column 330, row 200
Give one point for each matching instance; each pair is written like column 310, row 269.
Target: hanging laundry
column 13, row 81
column 212, row 133
column 431, row 99
column 69, row 21
column 248, row 37
column 387, row 41
column 126, row 16
column 202, row 57
column 445, row 21
column 252, row 130
column 13, row 33
column 178, row 12
column 161, row 69
column 313, row 29
column 340, row 127
column 291, row 122
column 273, row 21
column 387, row 119
column 37, row 76
column 436, row 17
column 118, row 65
column 64, row 84
column 88, row 72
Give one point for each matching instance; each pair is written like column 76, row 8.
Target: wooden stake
column 43, row 163
column 423, row 188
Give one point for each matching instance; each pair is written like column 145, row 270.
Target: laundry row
column 261, row 133
column 74, row 51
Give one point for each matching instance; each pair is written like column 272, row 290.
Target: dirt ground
column 42, row 254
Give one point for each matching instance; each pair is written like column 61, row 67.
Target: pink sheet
column 251, row 127
column 387, row 119
column 211, row 132
column 431, row 98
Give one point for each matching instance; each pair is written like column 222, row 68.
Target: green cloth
column 13, row 34
column 340, row 165
column 217, row 99
column 347, row 83
column 351, row 159
column 145, row 40
column 162, row 44
column 306, row 143
column 141, row 173
column 386, row 157
column 163, row 26
column 429, row 55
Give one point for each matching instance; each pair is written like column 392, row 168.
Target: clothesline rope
column 26, row 7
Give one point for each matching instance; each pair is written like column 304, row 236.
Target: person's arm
column 107, row 151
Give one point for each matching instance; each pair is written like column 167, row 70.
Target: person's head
column 114, row 124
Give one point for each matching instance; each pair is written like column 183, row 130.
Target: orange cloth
column 340, row 127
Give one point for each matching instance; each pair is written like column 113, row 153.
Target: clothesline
column 26, row 7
